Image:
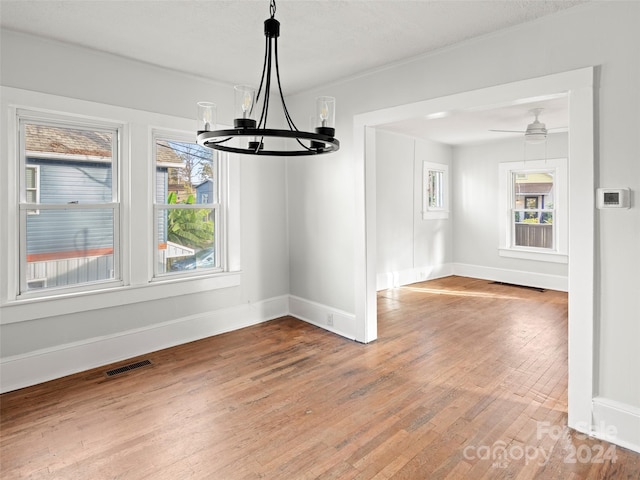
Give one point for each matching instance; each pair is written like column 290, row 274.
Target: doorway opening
column 578, row 86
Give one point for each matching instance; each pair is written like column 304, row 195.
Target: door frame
column 579, row 86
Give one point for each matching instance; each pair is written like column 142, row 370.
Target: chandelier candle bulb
column 244, row 100
column 324, row 119
column 206, row 116
column 326, row 115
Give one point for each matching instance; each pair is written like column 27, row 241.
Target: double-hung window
column 533, row 209
column 188, row 217
column 104, row 200
column 68, row 203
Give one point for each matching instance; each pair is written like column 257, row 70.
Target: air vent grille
column 126, row 368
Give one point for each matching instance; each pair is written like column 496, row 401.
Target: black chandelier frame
column 321, row 141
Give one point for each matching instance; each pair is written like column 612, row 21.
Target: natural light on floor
column 459, row 293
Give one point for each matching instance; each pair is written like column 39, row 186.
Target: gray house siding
column 51, row 231
column 68, row 247
column 204, row 192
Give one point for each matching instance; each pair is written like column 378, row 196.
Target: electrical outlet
column 330, row 319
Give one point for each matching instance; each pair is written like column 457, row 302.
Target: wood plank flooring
column 468, row 380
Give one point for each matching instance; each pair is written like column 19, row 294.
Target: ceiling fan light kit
column 536, row 131
column 250, row 129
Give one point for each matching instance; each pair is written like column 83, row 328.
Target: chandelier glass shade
column 250, row 134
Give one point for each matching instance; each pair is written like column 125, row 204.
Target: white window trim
column 432, row 213
column 136, row 214
column 559, row 254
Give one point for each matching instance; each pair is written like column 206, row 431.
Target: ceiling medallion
column 250, row 131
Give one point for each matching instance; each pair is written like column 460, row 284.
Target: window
column 187, row 207
column 533, row 209
column 85, row 213
column 435, row 194
column 534, row 206
column 69, row 170
column 32, row 186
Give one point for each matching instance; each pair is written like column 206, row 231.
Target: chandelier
column 250, row 129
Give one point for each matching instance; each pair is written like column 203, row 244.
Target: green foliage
column 189, row 227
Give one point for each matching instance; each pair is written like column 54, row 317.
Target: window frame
column 506, row 208
column 435, row 212
column 24, row 116
column 218, row 208
column 136, row 217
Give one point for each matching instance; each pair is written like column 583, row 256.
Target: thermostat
column 614, row 198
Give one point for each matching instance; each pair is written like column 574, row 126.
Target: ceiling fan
column 536, row 131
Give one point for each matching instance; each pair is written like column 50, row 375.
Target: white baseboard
column 617, row 423
column 42, row 365
column 517, row 277
column 322, row 316
column 411, row 275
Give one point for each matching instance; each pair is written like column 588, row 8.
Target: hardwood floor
column 467, row 380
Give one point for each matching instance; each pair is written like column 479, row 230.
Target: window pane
column 185, row 173
column 69, row 247
column 75, row 164
column 534, row 203
column 31, row 179
column 533, row 190
column 71, row 166
column 186, row 239
column 434, row 186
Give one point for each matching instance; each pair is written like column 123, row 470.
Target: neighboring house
column 172, row 166
column 204, row 191
column 68, row 166
column 74, row 166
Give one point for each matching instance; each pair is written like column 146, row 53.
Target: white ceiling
column 474, row 126
column 321, row 40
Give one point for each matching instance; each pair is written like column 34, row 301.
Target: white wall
column 603, row 34
column 97, row 335
column 476, row 197
column 409, row 248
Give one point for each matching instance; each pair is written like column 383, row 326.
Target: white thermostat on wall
column 614, row 198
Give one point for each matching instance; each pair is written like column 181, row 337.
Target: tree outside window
column 187, row 207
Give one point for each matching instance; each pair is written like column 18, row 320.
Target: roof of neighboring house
column 67, row 143
column 203, row 182
column 166, row 154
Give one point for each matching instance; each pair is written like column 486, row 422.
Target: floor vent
column 519, row 286
column 126, row 368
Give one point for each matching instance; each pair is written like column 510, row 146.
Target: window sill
column 537, row 255
column 63, row 304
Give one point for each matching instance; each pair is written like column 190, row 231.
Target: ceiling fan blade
column 557, row 128
column 508, row 131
